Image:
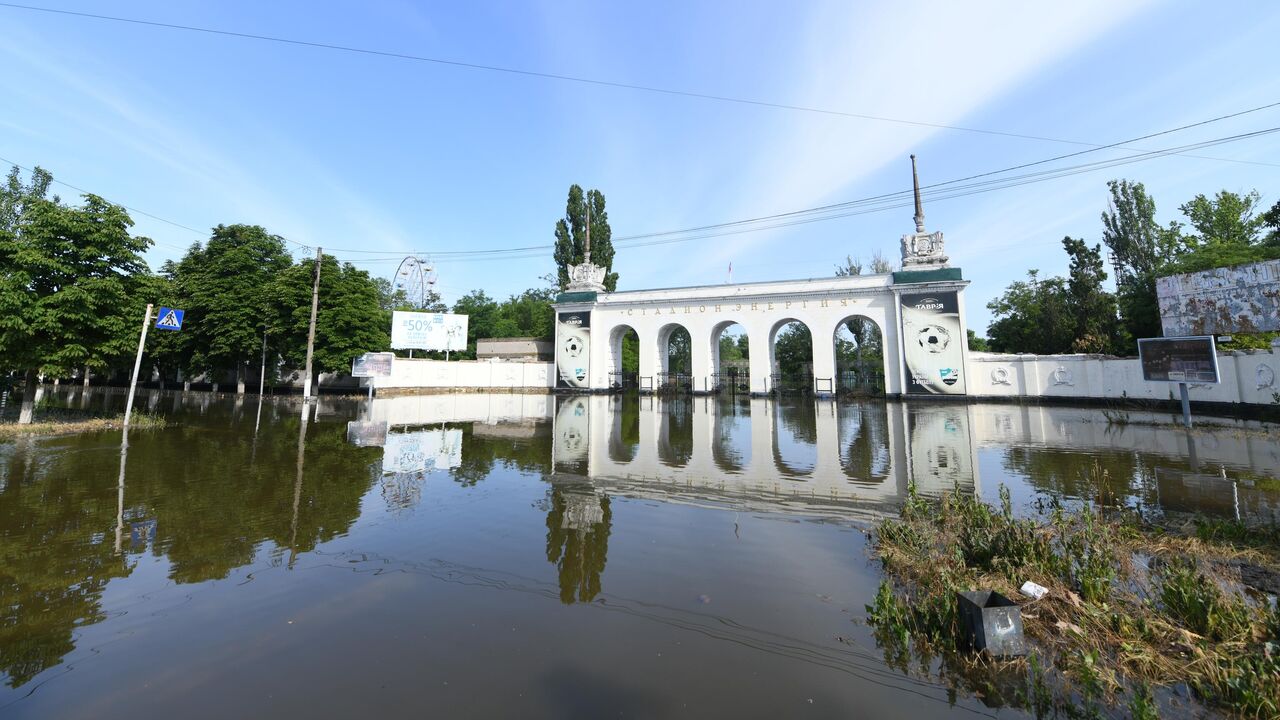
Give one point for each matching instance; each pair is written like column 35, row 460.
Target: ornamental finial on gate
column 921, row 249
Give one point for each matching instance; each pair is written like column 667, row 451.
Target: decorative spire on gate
column 921, row 249
column 587, row 276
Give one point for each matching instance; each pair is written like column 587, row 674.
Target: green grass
column 1110, row 634
column 140, row 421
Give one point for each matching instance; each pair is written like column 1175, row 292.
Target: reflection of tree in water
column 800, row 420
column 1073, row 473
column 624, row 442
column 578, row 526
column 865, row 439
column 480, row 452
column 52, row 574
column 678, row 416
column 215, row 500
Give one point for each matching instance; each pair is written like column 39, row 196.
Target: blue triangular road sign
column 169, row 319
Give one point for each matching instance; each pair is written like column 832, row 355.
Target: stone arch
column 863, row 368
column 775, row 370
column 674, row 378
column 713, row 347
column 615, row 367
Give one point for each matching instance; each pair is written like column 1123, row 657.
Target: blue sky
column 372, row 153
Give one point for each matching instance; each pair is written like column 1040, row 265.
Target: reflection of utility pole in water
column 257, row 422
column 297, row 485
column 124, row 454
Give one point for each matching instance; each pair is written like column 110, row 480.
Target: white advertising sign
column 423, row 450
column 428, row 331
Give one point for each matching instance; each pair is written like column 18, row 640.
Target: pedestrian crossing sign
column 169, row 319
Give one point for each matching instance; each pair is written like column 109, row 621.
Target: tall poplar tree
column 571, row 236
column 1139, row 247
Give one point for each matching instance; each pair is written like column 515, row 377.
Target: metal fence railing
column 675, row 382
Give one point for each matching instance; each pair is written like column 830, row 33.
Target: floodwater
column 521, row 555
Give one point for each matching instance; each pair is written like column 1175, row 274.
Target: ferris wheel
column 417, row 279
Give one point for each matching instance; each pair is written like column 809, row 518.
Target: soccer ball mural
column 933, row 338
column 573, row 346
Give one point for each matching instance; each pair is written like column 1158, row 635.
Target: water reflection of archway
column 795, row 438
column 858, row 345
column 675, row 436
column 624, row 435
column 731, row 441
column 863, row 433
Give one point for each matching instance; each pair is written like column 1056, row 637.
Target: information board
column 1192, row 359
column 428, row 331
column 372, row 365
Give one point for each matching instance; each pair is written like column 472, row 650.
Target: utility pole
column 311, row 334
column 137, row 365
column 262, row 377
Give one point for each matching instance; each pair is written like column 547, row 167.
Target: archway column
column 759, row 361
column 824, row 356
column 702, row 358
column 653, row 355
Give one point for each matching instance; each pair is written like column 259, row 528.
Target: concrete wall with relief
column 1245, row 298
column 1247, row 377
column 429, row 375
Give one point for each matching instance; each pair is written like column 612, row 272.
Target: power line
column 89, row 192
column 548, row 75
column 877, row 203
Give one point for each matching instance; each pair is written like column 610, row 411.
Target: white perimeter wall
column 1246, row 377
column 466, row 374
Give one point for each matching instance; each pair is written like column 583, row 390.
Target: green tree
column 1097, row 326
column 1139, row 247
column 528, row 314
column 67, row 281
column 679, row 352
column 866, row 345
column 1227, row 232
column 977, row 344
column 349, row 319
column 228, row 284
column 1226, row 218
column 729, row 350
column 792, row 349
column 1032, row 316
column 1271, row 222
column 631, row 352
column 482, row 318
column 571, row 236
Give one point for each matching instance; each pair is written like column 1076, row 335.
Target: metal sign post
column 1181, row 360
column 137, row 365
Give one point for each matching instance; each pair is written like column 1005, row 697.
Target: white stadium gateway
column 919, row 312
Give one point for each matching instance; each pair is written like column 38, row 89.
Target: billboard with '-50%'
column 428, row 331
